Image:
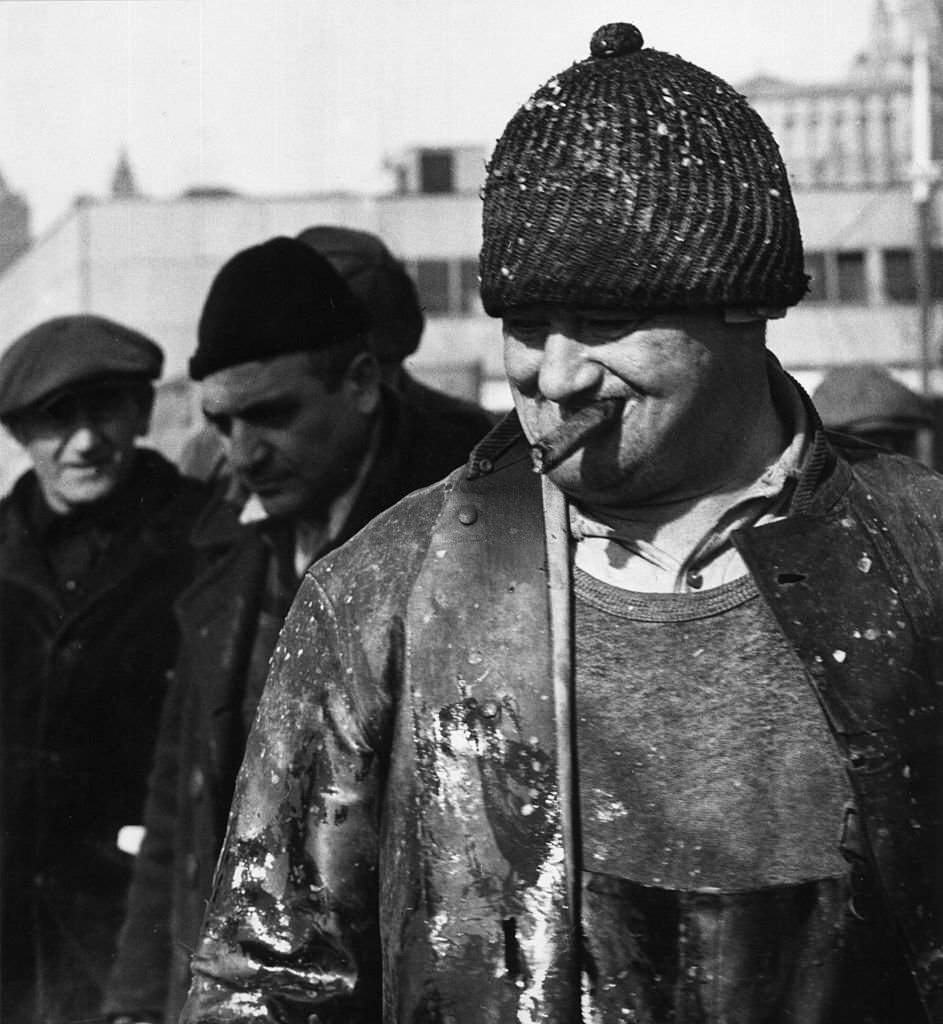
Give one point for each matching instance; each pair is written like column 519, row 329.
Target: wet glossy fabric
column 783, row 955
column 395, row 834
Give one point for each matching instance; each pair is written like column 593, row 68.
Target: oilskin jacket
column 204, row 729
column 84, row 667
column 396, row 848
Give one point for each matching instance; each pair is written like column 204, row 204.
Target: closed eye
column 528, row 331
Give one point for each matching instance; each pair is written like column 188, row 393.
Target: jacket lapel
column 478, row 712
column 860, row 629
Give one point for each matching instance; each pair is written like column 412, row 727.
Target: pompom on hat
column 271, row 300
column 636, row 180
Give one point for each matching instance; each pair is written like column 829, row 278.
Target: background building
column 149, row 262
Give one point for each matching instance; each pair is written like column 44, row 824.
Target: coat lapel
column 478, row 712
column 871, row 652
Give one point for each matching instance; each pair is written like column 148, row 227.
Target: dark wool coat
column 396, row 845
column 82, row 685
column 203, row 734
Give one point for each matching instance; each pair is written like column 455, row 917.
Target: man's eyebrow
column 254, row 408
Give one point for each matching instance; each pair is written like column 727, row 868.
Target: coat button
column 467, row 516
column 485, row 465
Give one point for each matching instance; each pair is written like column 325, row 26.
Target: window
column 432, row 280
column 851, row 285
column 900, row 283
column 936, row 273
column 436, row 171
column 815, row 267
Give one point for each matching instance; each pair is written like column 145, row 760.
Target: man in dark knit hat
column 395, row 325
column 93, row 551
column 654, row 733
column 318, row 446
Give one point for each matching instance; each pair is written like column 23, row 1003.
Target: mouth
column 269, row 485
column 89, row 468
column 553, row 447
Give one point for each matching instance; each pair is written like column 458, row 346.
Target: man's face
column 82, row 443
column 293, row 440
column 678, row 375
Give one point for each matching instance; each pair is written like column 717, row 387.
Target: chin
column 86, row 494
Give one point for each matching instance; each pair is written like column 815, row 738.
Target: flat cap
column 72, row 351
column 867, row 397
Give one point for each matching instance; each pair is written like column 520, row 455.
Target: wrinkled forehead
column 238, row 387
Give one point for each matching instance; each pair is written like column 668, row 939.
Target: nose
column 566, row 368
column 247, row 448
column 86, row 436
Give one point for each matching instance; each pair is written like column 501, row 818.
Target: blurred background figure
column 396, row 324
column 93, row 551
column 867, row 402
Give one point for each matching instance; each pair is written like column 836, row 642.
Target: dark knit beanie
column 637, row 180
column 381, row 283
column 272, row 300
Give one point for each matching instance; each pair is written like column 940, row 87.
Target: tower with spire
column 123, row 185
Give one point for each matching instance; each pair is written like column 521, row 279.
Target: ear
column 362, row 382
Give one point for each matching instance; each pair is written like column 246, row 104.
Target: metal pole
column 923, row 177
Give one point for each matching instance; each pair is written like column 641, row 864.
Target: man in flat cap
column 866, row 401
column 93, row 551
column 320, row 446
column 654, row 734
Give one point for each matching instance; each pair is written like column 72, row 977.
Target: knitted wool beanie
column 637, row 180
column 272, row 300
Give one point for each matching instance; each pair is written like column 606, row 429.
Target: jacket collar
column 156, row 494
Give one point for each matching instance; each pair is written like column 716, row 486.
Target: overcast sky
column 297, row 96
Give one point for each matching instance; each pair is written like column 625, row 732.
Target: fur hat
column 637, row 180
column 381, row 283
column 272, row 300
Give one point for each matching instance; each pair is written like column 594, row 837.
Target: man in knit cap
column 93, row 551
column 652, row 734
column 395, row 326
column 318, row 447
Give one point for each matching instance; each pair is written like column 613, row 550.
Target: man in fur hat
column 652, row 735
